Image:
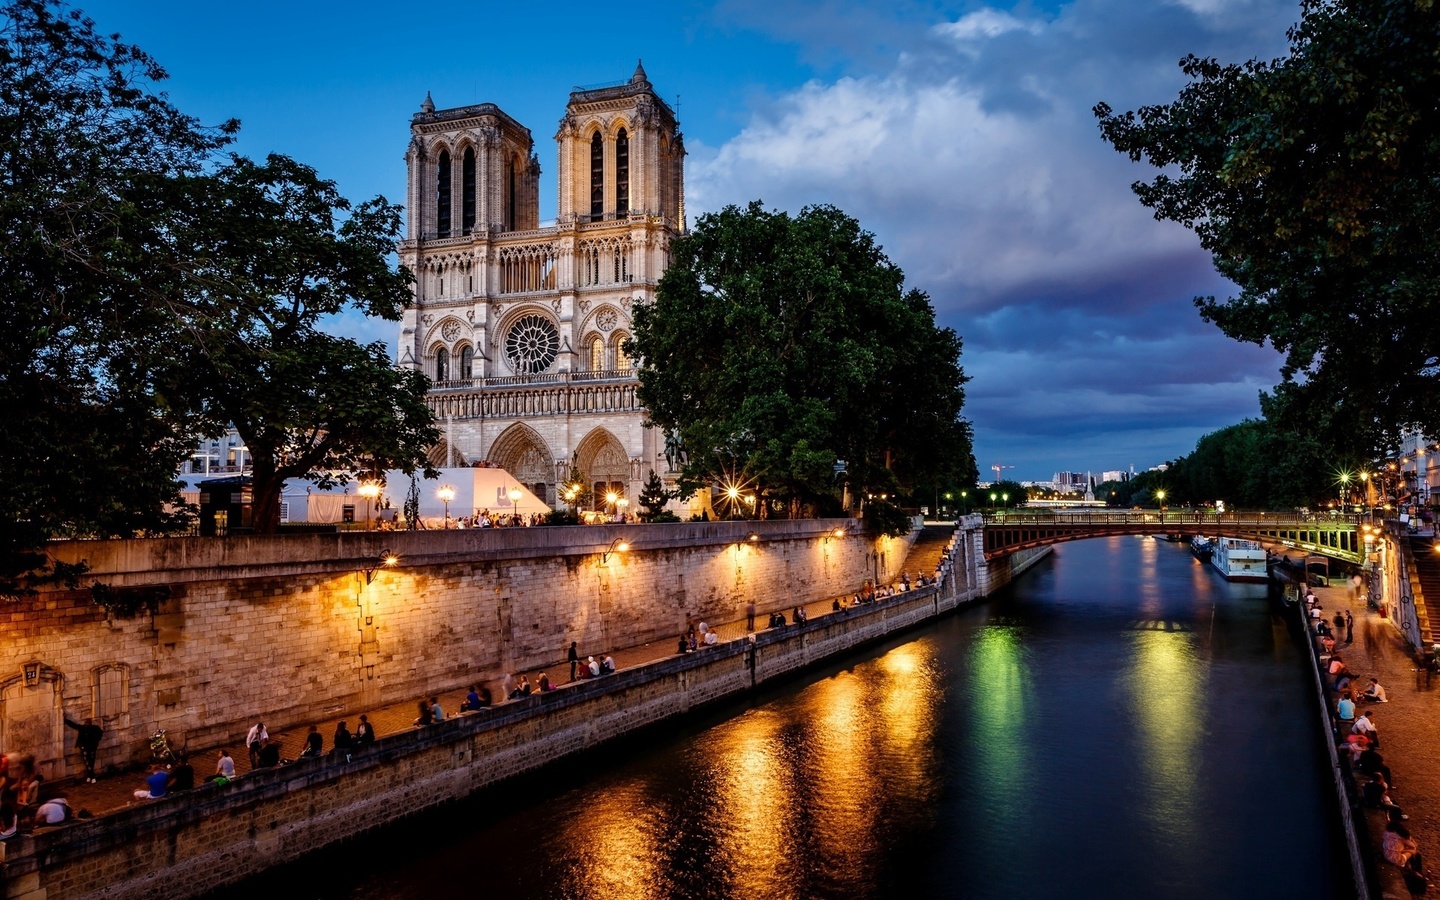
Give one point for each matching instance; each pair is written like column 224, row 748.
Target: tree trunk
column 266, row 489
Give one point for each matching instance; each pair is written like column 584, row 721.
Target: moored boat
column 1203, row 548
column 1240, row 560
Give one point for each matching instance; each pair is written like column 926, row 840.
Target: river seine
column 1120, row 723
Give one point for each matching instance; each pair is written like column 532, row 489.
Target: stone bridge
column 1008, row 531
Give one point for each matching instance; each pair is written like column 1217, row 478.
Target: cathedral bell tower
column 621, row 153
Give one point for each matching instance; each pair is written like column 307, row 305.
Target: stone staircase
column 1425, row 584
column 929, row 548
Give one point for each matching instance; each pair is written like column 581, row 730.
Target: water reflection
column 1052, row 743
column 1166, row 693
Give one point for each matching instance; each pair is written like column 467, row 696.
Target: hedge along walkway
column 117, row 791
column 1408, row 724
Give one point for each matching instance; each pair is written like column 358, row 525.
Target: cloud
column 975, row 158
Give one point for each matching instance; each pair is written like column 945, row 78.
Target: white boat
column 1239, row 560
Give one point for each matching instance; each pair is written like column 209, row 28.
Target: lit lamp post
column 515, row 494
column 1160, row 499
column 622, row 504
column 369, row 490
column 446, row 493
column 992, row 503
column 610, row 499
column 1344, row 490
column 964, row 503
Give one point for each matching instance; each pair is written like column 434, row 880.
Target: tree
column 412, row 504
column 777, row 345
column 653, row 498
column 277, row 250
column 1007, row 494
column 97, row 419
column 1311, row 179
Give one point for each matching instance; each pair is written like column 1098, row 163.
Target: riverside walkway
column 1408, row 725
column 114, row 792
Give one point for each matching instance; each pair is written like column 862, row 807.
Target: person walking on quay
column 1349, row 628
column 87, row 740
column 750, row 616
column 255, row 740
column 574, row 658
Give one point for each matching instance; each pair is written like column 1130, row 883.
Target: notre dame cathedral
column 521, row 328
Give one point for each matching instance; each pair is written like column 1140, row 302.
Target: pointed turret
column 427, row 106
column 639, row 76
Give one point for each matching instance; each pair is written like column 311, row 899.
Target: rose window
column 532, row 344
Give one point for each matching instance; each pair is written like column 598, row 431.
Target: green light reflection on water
column 1000, row 686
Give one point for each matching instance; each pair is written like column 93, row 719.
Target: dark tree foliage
column 147, row 303
column 276, row 250
column 653, row 498
column 1008, row 494
column 1311, row 178
column 97, row 412
column 778, row 344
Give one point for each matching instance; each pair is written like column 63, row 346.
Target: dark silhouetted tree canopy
column 1312, row 181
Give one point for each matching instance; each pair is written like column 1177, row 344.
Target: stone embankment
column 186, row 845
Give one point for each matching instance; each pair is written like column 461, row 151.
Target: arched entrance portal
column 522, row 452
column 605, row 466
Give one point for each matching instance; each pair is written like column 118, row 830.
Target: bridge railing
column 1195, row 518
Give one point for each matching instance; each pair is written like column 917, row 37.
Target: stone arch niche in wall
column 603, row 460
column 110, row 694
column 31, row 717
column 521, row 451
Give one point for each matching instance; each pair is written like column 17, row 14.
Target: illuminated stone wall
column 286, row 629
column 187, row 845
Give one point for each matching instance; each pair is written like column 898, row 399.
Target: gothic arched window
column 442, row 365
column 467, row 363
column 597, row 177
column 597, row 354
column 467, row 186
column 442, row 195
column 622, row 359
column 512, row 174
column 622, row 173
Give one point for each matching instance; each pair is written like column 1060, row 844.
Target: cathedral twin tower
column 522, row 328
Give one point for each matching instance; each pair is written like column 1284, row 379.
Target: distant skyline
column 959, row 133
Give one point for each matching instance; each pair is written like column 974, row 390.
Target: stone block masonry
column 187, row 845
column 289, row 629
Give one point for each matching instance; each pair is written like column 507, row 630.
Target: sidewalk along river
column 1119, row 723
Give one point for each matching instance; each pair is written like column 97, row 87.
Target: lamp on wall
column 616, row 546
column 834, row 534
column 386, row 560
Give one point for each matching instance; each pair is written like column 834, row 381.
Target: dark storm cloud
column 974, row 157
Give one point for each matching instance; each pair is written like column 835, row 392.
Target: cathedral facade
column 521, row 329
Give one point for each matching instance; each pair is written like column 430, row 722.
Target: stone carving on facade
column 555, row 305
column 427, row 318
column 605, row 319
column 489, row 135
column 584, row 306
column 450, row 330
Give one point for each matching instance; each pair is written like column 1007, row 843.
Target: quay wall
column 298, row 628
column 187, row 845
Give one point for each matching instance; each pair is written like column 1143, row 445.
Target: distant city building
column 522, row 327
column 1163, row 467
column 1070, row 481
column 1115, row 475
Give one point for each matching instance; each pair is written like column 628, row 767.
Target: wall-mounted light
column 616, row 546
column 386, row 560
column 835, row 534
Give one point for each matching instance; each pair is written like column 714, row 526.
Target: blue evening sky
column 959, row 133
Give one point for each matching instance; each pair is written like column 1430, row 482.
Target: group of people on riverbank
column 1354, row 724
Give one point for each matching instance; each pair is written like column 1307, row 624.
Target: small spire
column 639, row 75
column 428, row 106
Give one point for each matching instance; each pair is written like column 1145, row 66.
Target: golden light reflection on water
column 614, row 847
column 1167, row 690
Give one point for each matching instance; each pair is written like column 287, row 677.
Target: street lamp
column 992, row 503
column 386, row 560
column 369, row 490
column 1160, row 499
column 964, row 503
column 446, row 493
column 623, row 504
column 515, row 494
column 610, row 498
